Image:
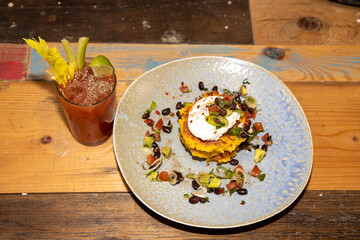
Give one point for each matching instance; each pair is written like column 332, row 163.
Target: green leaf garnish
column 262, row 177
column 152, row 107
column 246, row 81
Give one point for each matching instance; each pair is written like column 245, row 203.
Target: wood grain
column 156, row 21
column 309, row 22
column 316, row 214
column 298, row 64
column 30, row 110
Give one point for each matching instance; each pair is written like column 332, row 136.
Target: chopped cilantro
column 242, row 202
column 235, row 131
column 152, row 107
column 262, row 177
column 246, row 81
column 232, row 191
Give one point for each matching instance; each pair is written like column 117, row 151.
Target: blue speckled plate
column 287, row 165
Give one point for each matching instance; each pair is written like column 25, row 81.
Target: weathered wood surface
column 31, row 110
column 289, row 63
column 311, row 22
column 156, row 21
column 316, row 214
column 308, row 22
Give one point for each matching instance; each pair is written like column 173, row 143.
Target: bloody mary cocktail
column 86, row 91
column 89, row 106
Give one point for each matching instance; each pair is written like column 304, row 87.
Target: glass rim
column 87, row 105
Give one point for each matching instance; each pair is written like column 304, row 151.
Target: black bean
column 243, row 135
column 249, row 122
column 251, row 110
column 234, row 162
column 179, row 176
column 166, row 129
column 179, row 105
column 202, row 200
column 235, row 94
column 178, row 114
column 242, row 191
column 195, row 185
column 246, row 128
column 146, row 116
column 157, row 155
column 156, row 149
column 217, row 101
column 215, row 88
column 222, row 112
column 244, row 107
column 194, row 199
column 256, row 146
column 233, row 107
column 210, row 190
column 166, row 111
column 217, row 191
column 201, row 85
column 237, row 99
column 154, row 145
column 149, row 122
column 264, row 147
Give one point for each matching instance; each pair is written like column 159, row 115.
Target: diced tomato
column 254, row 114
column 159, row 124
column 247, row 115
column 184, row 89
column 265, row 137
column 227, row 97
column 157, row 112
column 231, row 185
column 258, row 127
column 214, row 108
column 147, row 134
column 150, row 159
column 164, row 176
column 255, row 172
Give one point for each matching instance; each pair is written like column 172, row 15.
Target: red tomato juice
column 89, row 106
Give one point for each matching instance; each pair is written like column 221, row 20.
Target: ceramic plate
column 287, row 165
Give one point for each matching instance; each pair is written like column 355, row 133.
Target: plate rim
column 301, row 190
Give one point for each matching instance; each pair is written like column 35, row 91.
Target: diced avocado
column 259, row 155
column 166, row 151
column 153, row 176
column 148, row 141
column 204, row 179
column 214, row 183
column 243, row 91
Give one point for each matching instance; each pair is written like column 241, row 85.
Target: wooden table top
column 53, row 187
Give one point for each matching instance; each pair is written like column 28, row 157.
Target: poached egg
column 198, row 125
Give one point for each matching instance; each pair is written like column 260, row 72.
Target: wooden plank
column 289, row 63
column 31, row 110
column 308, row 22
column 317, row 214
column 155, row 21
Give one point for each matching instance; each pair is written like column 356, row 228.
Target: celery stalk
column 68, row 50
column 80, row 53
